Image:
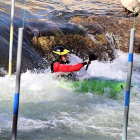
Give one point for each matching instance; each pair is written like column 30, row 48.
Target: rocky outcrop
column 116, row 30
column 77, row 44
column 104, row 35
column 131, row 6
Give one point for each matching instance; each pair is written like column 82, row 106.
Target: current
column 48, row 111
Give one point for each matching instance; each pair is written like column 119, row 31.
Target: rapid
column 48, row 111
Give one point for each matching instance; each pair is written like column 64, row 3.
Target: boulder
column 103, row 35
column 115, row 29
column 77, row 44
column 131, row 6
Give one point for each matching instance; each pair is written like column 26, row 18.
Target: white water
column 48, row 112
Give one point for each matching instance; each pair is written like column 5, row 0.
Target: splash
column 48, row 111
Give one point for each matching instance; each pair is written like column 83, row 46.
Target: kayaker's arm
column 57, row 67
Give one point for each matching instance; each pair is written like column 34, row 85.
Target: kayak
column 97, row 86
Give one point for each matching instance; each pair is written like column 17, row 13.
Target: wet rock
column 115, row 29
column 37, row 29
column 92, row 29
column 101, row 39
column 35, row 32
column 105, row 34
column 131, row 6
column 77, row 44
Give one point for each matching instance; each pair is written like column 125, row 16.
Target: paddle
column 92, row 57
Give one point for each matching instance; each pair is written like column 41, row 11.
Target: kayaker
column 61, row 63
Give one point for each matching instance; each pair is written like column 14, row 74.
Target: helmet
column 59, row 50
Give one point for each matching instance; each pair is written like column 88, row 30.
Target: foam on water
column 49, row 112
column 116, row 69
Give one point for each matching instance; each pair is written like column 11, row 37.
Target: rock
column 131, row 6
column 92, row 29
column 115, row 29
column 101, row 39
column 77, row 44
column 35, row 32
column 42, row 28
column 105, row 34
column 137, row 43
column 35, row 41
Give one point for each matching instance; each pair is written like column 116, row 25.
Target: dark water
column 31, row 59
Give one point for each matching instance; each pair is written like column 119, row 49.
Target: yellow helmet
column 60, row 50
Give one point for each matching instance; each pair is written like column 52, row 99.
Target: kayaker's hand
column 88, row 62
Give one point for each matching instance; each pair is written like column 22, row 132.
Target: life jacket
column 59, row 66
column 68, row 76
column 58, row 61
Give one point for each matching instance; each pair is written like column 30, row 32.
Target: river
column 48, row 111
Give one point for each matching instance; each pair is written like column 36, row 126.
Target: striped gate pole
column 129, row 75
column 17, row 88
column 11, row 37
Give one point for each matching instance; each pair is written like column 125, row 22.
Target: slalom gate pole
column 11, row 37
column 17, row 88
column 24, row 12
column 129, row 75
